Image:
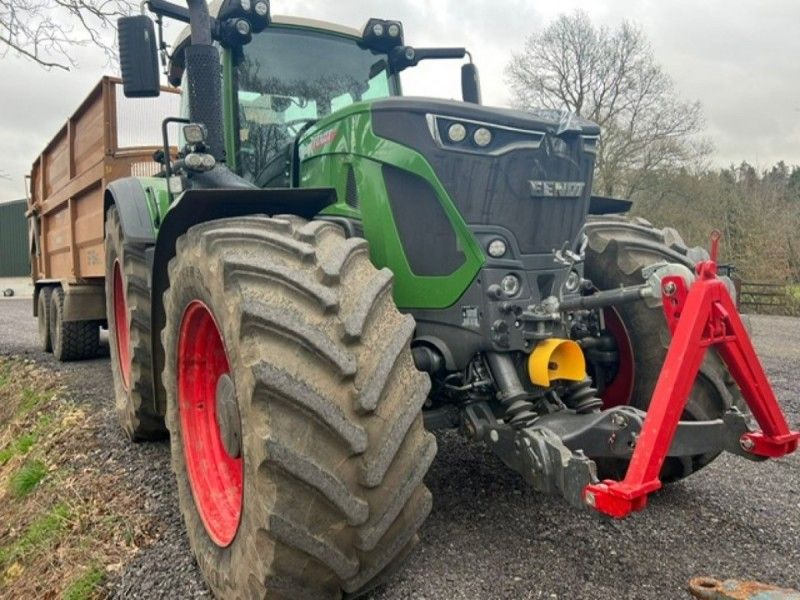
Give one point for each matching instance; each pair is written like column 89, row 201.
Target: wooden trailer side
column 68, row 182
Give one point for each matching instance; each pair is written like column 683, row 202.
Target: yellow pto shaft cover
column 554, row 359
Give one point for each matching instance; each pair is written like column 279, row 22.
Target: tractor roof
column 176, row 64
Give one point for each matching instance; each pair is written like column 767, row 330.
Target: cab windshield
column 287, row 78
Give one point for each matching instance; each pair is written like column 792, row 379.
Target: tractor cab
column 277, row 83
column 286, row 79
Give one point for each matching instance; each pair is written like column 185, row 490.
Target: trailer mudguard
column 201, row 205
column 128, row 195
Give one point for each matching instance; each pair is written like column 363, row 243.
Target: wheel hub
column 230, row 428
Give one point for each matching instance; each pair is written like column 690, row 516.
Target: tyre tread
column 300, row 291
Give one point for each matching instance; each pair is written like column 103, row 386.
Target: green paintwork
column 346, row 138
column 155, row 189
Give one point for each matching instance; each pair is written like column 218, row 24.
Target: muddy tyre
column 43, row 318
column 617, row 251
column 71, row 340
column 294, row 410
column 128, row 315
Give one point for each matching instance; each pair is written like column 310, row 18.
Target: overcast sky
column 739, row 58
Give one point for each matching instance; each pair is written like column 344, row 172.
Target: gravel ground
column 488, row 535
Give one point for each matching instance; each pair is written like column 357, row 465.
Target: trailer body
column 108, row 137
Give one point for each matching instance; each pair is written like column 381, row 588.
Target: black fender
column 199, row 206
column 603, row 205
column 128, row 195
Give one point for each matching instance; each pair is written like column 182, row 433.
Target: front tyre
column 294, row 410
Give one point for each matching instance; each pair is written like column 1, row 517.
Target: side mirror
column 138, row 57
column 470, row 83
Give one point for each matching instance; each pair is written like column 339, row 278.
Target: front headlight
column 457, row 132
column 482, row 137
column 497, row 248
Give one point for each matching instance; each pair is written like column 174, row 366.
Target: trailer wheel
column 71, row 340
column 43, row 318
column 294, row 410
column 128, row 314
column 617, row 251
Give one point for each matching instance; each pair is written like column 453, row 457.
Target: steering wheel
column 286, row 131
column 301, row 122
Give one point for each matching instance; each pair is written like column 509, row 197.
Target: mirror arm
column 403, row 57
column 162, row 8
column 167, row 9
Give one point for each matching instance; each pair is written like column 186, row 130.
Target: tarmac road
column 488, row 535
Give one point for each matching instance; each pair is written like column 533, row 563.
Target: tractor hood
column 529, row 173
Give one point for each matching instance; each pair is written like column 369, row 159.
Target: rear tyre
column 43, row 318
column 294, row 410
column 72, row 340
column 619, row 248
column 128, row 314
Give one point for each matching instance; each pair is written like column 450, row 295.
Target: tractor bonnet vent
column 351, row 192
column 429, row 241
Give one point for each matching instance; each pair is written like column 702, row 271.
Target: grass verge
column 66, row 522
column 85, row 586
column 24, row 480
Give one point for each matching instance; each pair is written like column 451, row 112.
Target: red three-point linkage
column 701, row 316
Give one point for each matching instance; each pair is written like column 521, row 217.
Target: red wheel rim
column 121, row 331
column 620, row 389
column 214, row 476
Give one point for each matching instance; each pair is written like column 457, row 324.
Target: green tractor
column 327, row 271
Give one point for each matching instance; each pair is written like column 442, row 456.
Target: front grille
column 499, row 191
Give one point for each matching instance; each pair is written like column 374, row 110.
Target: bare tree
column 610, row 77
column 48, row 31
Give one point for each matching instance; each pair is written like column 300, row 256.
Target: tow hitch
column 552, row 452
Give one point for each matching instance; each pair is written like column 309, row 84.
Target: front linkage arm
column 699, row 316
column 552, row 452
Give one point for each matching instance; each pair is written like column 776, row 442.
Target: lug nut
column 494, row 436
column 670, row 288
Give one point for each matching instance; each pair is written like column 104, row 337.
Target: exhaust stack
column 203, row 73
